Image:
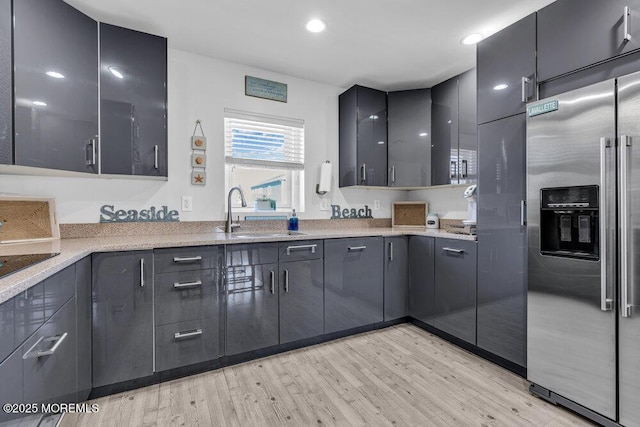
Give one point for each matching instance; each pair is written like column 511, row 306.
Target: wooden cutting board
column 27, row 219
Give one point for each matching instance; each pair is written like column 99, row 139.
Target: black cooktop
column 12, row 263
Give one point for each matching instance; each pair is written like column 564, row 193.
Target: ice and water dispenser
column 569, row 222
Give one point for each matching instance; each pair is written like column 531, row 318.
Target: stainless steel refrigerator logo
column 547, row 107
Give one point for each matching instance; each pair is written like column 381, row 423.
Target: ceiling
column 385, row 44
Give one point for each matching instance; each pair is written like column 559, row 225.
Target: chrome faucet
column 229, row 225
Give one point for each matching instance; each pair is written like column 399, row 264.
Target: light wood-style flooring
column 399, row 376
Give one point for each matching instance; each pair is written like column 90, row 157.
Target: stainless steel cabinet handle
column 300, row 247
column 92, row 162
column 363, row 173
column 606, row 303
column 56, row 339
column 286, row 280
column 626, row 18
column 390, row 251
column 455, row 251
column 183, row 285
column 142, row 272
column 273, row 281
column 393, row 175
column 454, row 169
column 625, row 143
column 187, row 334
column 465, row 168
column 523, row 209
column 525, row 82
column 187, row 259
column 357, row 248
column 155, row 156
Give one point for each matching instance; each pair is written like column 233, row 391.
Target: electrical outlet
column 324, row 205
column 376, row 205
column 187, row 204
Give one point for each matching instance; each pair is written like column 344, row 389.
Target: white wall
column 201, row 88
column 446, row 201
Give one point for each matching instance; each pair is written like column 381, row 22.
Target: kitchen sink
column 250, row 235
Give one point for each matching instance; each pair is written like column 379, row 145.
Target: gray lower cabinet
column 421, row 278
column 353, row 283
column 83, row 321
column 186, row 295
column 455, row 288
column 301, row 283
column 133, row 100
column 186, row 343
column 49, row 359
column 409, row 131
column 252, row 307
column 29, row 312
column 7, row 329
column 396, row 277
column 56, row 86
column 566, row 27
column 11, row 374
column 502, row 239
column 6, row 84
column 122, row 295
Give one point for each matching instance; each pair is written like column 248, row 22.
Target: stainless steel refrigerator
column 583, row 224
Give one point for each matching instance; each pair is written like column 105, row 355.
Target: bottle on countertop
column 433, row 221
column 293, row 222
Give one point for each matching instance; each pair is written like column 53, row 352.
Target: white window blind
column 254, row 139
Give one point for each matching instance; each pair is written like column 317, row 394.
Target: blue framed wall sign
column 265, row 89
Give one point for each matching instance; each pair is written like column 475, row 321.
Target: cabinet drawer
column 252, row 254
column 29, row 312
column 58, row 289
column 186, row 343
column 185, row 259
column 301, row 250
column 7, row 332
column 49, row 359
column 186, row 295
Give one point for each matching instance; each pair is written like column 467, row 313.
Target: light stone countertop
column 73, row 250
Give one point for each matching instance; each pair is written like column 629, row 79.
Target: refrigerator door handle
column 625, row 144
column 606, row 260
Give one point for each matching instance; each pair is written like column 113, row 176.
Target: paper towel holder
column 322, row 193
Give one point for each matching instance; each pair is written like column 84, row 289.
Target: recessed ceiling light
column 55, row 74
column 423, row 134
column 116, row 73
column 39, row 103
column 316, row 25
column 501, row 86
column 471, row 39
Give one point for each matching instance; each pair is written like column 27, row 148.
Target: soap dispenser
column 293, row 222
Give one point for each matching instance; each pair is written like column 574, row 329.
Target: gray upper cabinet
column 444, row 137
column 353, row 283
column 421, row 278
column 454, row 137
column 502, row 239
column 573, row 34
column 56, row 86
column 396, row 277
column 455, row 288
column 506, row 65
column 363, row 137
column 122, row 295
column 467, row 160
column 6, row 84
column 133, row 100
column 409, row 150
